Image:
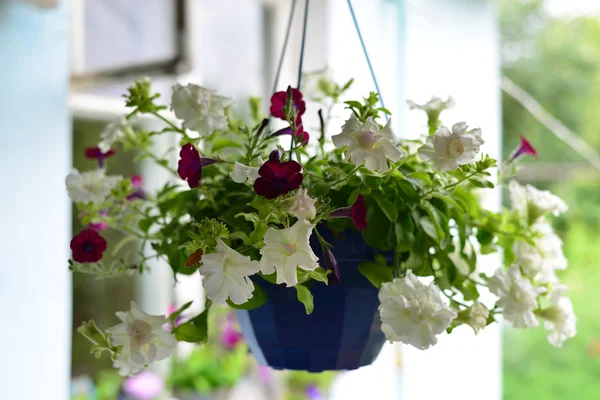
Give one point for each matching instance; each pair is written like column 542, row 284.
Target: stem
column 461, row 181
column 159, row 161
column 452, row 299
column 348, row 176
column 172, row 125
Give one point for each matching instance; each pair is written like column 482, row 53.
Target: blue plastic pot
column 342, row 333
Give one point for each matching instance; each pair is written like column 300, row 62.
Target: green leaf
column 195, row 330
column 177, row 313
column 438, row 221
column 219, row 144
column 429, row 228
column 481, row 183
column 259, row 297
column 388, row 208
column 146, row 223
column 305, row 297
column 405, row 235
column 376, row 273
column 484, row 237
column 319, row 274
column 409, row 190
column 271, row 278
column 378, row 227
column 458, row 204
column 353, row 103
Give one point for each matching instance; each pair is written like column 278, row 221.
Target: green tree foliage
column 557, row 61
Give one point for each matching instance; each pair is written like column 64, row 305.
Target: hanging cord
column 285, row 44
column 364, row 47
column 304, row 26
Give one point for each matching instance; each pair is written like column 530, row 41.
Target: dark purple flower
column 522, row 150
column 99, row 226
column 332, row 265
column 230, row 336
column 94, row 153
column 357, row 213
column 190, row 165
column 88, row 246
column 277, row 178
column 278, row 104
column 138, row 194
column 144, row 386
column 301, row 135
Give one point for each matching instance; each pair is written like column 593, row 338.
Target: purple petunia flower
column 88, row 246
column 278, row 178
column 278, row 104
column 94, row 153
column 357, row 213
column 522, row 150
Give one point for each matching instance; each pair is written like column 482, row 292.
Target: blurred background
column 528, row 67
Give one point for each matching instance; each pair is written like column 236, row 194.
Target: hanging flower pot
column 342, row 333
column 252, row 219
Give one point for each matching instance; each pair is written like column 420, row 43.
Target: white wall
column 452, row 48
column 35, row 229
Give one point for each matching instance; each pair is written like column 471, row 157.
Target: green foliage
column 305, row 297
column 195, row 330
column 141, row 98
column 376, row 273
column 209, row 232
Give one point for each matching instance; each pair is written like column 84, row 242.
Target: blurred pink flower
column 230, row 336
column 144, row 386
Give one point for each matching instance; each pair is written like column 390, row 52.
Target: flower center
column 141, row 332
column 367, row 139
column 289, row 248
column 89, row 247
column 456, row 148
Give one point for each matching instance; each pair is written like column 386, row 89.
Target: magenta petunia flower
column 189, row 167
column 522, row 150
column 332, row 265
column 278, row 104
column 94, row 153
column 301, row 135
column 144, row 386
column 230, row 337
column 357, row 213
column 277, row 178
column 99, row 226
column 88, row 246
column 138, row 194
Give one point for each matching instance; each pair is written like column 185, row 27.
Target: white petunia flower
column 114, row 131
column 286, row 250
column 412, row 312
column 201, row 109
column 301, row 205
column 143, row 340
column 242, row 173
column 477, row 316
column 368, row 144
column 531, row 203
column 91, row 186
column 559, row 318
column 226, row 273
column 450, row 149
column 545, row 257
column 434, row 106
column 518, row 297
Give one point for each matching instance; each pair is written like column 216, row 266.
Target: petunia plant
column 243, row 205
